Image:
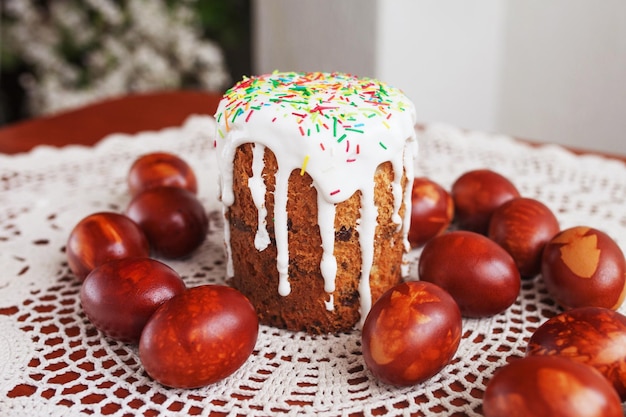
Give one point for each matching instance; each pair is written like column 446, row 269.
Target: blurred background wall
column 548, row 71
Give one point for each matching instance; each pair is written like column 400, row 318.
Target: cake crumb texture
column 304, row 308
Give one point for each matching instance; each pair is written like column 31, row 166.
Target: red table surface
column 89, row 124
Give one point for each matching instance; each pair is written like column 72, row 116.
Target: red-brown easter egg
column 157, row 169
column 592, row 335
column 173, row 219
column 476, row 194
column 102, row 237
column 411, row 333
column 199, row 337
column 582, row 267
column 523, row 226
column 478, row 273
column 119, row 296
column 549, row 386
column 431, row 213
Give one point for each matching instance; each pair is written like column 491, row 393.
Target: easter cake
column 315, row 180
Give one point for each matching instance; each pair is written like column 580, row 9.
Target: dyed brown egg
column 119, row 297
column 160, row 169
column 411, row 333
column 172, row 218
column 582, row 267
column 431, row 213
column 199, row 337
column 523, row 226
column 476, row 194
column 478, row 273
column 102, row 237
column 592, row 335
column 549, row 386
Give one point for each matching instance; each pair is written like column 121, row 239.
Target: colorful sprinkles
column 337, row 109
column 316, row 101
column 304, row 164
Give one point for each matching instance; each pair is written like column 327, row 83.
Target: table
column 53, row 362
column 128, row 114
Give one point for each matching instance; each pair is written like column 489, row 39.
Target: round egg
column 173, row 219
column 199, row 337
column 157, row 169
column 582, row 267
column 411, row 333
column 592, row 335
column 549, row 386
column 476, row 194
column 102, row 237
column 523, row 226
column 479, row 274
column 432, row 211
column 121, row 295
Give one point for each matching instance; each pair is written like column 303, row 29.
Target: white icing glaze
column 330, row 303
column 326, row 223
column 406, row 224
column 258, row 189
column 367, row 230
column 337, row 128
column 230, row 270
column 281, row 232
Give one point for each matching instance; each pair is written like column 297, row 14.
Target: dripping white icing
column 409, row 172
column 396, row 188
column 367, row 231
column 330, row 303
column 338, row 129
column 280, row 230
column 258, row 189
column 328, row 265
column 230, row 270
column 227, row 247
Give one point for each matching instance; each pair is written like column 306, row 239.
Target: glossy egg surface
column 476, row 194
column 160, row 169
column 411, row 333
column 119, row 296
column 173, row 219
column 199, row 337
column 101, row 237
column 479, row 274
column 431, row 213
column 523, row 226
column 591, row 335
column 549, row 386
column 582, row 267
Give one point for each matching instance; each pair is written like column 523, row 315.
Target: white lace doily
column 54, row 363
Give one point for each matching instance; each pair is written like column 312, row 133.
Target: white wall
column 322, row 35
column 445, row 55
column 552, row 71
column 564, row 72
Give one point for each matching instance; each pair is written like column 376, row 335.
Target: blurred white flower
column 82, row 51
